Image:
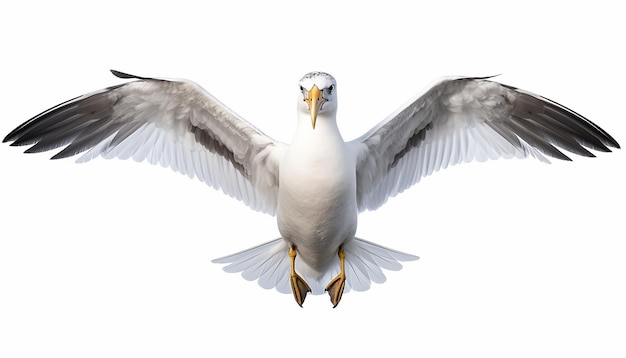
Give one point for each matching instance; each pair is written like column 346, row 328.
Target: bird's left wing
column 460, row 120
column 174, row 123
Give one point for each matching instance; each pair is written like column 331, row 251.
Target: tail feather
column 367, row 259
column 269, row 264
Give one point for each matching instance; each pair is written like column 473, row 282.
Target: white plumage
column 317, row 184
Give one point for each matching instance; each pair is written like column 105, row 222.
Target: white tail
column 269, row 263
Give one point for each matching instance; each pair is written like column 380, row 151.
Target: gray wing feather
column 173, row 123
column 464, row 119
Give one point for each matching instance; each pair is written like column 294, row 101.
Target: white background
column 112, row 258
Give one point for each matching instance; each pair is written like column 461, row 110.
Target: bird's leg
column 299, row 287
column 337, row 284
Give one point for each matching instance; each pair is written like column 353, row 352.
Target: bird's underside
column 317, row 184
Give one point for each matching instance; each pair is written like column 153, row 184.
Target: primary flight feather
column 317, row 184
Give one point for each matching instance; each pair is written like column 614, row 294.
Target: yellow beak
column 315, row 102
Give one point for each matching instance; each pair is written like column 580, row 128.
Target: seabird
column 319, row 183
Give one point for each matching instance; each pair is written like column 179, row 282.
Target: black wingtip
column 612, row 142
column 483, row 77
column 125, row 75
column 11, row 137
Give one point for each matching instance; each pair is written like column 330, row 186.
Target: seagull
column 317, row 185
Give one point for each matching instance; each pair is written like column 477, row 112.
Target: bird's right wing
column 463, row 119
column 174, row 123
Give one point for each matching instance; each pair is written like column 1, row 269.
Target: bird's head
column 318, row 95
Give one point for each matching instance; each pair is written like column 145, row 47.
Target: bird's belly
column 317, row 218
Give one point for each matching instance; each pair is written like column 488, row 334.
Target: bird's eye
column 301, row 88
column 331, row 88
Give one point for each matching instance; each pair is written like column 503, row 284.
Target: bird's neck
column 326, row 130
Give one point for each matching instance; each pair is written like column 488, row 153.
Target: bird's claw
column 335, row 288
column 299, row 287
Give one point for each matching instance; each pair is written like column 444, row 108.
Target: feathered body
column 317, row 209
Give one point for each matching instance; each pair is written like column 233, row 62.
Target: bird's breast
column 317, row 209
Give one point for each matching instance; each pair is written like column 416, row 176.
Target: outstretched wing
column 174, row 123
column 464, row 119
